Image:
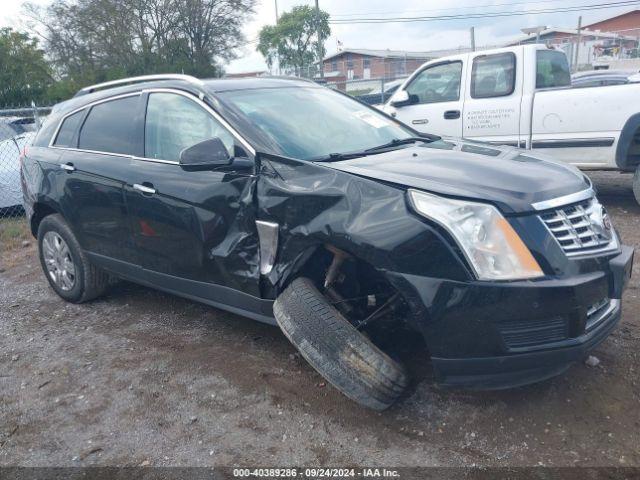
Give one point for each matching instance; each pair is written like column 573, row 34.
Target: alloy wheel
column 58, row 260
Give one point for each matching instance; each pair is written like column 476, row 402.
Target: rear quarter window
column 68, row 129
column 552, row 69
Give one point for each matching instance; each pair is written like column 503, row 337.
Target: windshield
column 312, row 123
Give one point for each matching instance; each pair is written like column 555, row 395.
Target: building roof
column 614, row 17
column 380, row 53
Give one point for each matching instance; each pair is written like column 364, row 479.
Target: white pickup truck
column 522, row 96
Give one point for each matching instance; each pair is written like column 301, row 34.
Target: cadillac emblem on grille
column 600, row 222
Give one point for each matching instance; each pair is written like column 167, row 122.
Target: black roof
column 249, row 83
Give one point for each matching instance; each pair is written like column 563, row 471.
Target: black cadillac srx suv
column 290, row 203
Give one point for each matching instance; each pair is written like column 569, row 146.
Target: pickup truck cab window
column 175, row 122
column 493, row 75
column 108, row 126
column 68, row 129
column 439, row 83
column 552, row 69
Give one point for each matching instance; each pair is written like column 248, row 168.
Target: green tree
column 90, row 41
column 24, row 73
column 293, row 41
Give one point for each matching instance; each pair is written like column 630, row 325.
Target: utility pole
column 277, row 59
column 320, row 49
column 575, row 66
column 472, row 32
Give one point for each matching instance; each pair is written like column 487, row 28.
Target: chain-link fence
column 371, row 91
column 17, row 129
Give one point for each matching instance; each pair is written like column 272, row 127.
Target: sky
column 420, row 36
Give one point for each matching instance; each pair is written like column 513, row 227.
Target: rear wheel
column 65, row 264
column 336, row 349
column 636, row 184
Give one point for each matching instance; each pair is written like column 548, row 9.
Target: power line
column 365, row 14
column 466, row 16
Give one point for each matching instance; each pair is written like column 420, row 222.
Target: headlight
column 491, row 245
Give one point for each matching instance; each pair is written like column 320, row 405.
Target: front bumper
column 509, row 371
column 501, row 335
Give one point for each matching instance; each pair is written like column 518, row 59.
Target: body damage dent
column 317, row 206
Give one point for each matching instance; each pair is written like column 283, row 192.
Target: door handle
column 452, row 114
column 147, row 188
column 68, row 167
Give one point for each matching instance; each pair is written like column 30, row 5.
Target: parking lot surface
column 144, row 378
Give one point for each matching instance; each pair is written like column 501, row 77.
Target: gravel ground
column 145, row 378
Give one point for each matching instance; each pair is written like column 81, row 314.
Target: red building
column 627, row 24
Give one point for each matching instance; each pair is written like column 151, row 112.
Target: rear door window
column 493, row 75
column 68, row 130
column 109, row 126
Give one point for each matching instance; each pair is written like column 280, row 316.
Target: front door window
column 175, row 122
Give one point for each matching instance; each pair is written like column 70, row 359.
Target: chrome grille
column 581, row 228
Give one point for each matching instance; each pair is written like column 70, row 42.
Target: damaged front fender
column 315, row 205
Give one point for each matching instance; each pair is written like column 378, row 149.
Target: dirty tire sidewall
column 339, row 352
column 636, row 184
column 90, row 281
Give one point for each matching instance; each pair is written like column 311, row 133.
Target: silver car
column 10, row 189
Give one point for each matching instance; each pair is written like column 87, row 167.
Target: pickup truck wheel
column 333, row 346
column 636, row 184
column 66, row 265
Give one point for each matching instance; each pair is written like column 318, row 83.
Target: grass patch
column 13, row 231
column 362, row 91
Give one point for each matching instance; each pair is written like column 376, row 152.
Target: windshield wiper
column 401, row 141
column 336, row 157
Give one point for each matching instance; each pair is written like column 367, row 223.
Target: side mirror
column 207, row 154
column 402, row 98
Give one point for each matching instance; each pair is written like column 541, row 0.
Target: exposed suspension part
column 361, row 295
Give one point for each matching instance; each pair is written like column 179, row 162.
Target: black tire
column 339, row 352
column 90, row 281
column 636, row 184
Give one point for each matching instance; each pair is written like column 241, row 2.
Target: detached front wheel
column 336, row 349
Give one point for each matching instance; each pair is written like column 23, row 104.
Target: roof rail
column 143, row 78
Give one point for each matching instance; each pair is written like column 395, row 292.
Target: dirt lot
column 142, row 377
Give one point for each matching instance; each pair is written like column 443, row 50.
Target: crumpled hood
column 510, row 178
